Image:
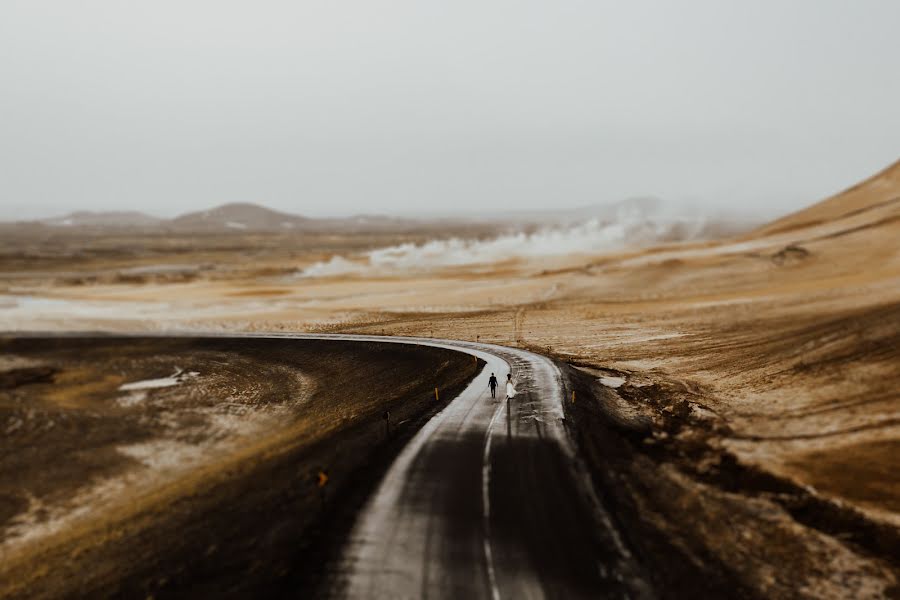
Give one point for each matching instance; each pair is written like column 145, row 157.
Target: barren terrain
column 758, row 424
column 143, row 467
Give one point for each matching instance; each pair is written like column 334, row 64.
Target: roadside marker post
column 573, row 396
column 321, row 482
column 436, row 397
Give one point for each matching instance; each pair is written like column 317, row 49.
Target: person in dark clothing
column 492, row 382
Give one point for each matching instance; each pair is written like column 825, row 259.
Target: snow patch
column 179, row 376
column 132, row 399
column 613, row 382
column 166, row 454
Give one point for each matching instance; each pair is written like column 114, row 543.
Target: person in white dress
column 510, row 388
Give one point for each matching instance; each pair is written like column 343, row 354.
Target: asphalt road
column 488, row 500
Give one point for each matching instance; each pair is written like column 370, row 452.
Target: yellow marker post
column 436, row 397
column 573, row 396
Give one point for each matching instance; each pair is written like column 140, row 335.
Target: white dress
column 510, row 390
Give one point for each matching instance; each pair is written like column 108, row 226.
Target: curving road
column 488, row 500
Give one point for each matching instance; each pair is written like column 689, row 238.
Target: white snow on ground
column 13, row 308
column 180, row 448
column 160, row 458
column 166, row 455
column 11, row 361
column 613, row 382
column 24, row 313
column 235, row 225
column 176, row 378
column 41, row 520
column 132, row 399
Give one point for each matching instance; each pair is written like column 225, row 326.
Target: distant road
column 487, row 500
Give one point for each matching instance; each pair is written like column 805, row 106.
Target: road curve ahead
column 488, row 500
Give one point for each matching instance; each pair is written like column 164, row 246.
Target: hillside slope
column 869, row 201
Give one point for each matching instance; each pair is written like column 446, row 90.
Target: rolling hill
column 239, row 216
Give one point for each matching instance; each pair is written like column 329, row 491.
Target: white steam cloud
column 591, row 237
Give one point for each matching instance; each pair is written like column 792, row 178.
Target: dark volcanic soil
column 705, row 525
column 264, row 416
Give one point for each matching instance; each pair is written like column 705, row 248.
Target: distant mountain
column 239, row 216
column 84, row 218
column 253, row 217
column 640, row 214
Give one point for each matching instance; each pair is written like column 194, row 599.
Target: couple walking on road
column 510, row 389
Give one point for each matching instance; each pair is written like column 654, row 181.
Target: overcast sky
column 337, row 107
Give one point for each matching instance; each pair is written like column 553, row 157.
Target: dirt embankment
column 703, row 523
column 103, row 497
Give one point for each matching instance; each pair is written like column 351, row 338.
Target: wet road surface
column 488, row 500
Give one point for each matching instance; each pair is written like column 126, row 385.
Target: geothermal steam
column 629, row 228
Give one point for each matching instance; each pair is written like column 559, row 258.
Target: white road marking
column 486, row 503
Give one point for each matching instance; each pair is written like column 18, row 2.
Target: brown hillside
column 871, row 201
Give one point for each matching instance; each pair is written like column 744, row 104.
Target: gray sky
column 337, row 107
